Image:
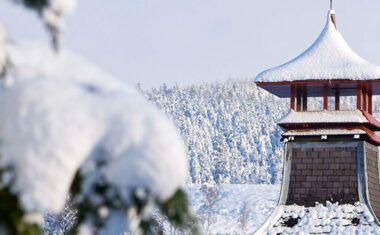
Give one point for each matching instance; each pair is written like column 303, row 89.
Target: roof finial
column 332, row 13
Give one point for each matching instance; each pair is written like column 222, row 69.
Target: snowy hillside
column 230, row 129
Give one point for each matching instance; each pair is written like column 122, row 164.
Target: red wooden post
column 304, row 98
column 325, row 97
column 337, row 98
column 359, row 96
column 299, row 101
column 370, row 98
column 292, row 96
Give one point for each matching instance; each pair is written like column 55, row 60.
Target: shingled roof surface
column 328, row 58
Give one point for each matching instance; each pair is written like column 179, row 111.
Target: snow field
column 260, row 199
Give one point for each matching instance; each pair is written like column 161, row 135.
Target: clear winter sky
column 195, row 41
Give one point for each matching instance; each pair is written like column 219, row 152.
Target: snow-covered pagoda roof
column 328, row 58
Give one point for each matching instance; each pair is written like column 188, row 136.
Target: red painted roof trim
column 370, row 118
column 370, row 133
column 332, row 81
column 300, row 126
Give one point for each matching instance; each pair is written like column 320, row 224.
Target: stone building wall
column 323, row 174
column 372, row 177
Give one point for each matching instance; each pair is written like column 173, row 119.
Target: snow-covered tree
column 230, row 129
column 66, row 126
column 244, row 217
column 207, row 212
column 131, row 158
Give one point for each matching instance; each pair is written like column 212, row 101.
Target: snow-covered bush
column 62, row 118
column 61, row 114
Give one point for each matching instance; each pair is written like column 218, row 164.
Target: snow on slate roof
column 331, row 116
column 338, row 131
column 329, row 57
column 329, row 219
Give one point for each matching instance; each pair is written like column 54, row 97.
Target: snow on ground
column 260, row 199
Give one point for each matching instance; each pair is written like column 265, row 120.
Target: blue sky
column 195, row 41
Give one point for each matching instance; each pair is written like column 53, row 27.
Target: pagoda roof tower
column 330, row 155
column 329, row 58
column 328, row 68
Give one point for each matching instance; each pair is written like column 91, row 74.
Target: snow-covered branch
column 61, row 115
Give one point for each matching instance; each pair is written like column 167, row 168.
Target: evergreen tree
column 16, row 219
column 230, row 130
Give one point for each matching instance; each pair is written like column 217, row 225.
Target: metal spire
column 333, row 19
